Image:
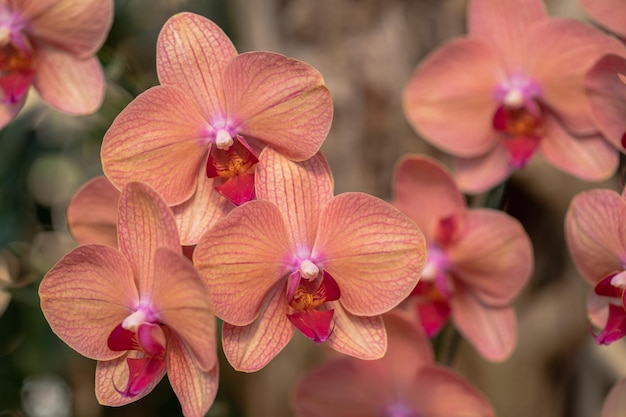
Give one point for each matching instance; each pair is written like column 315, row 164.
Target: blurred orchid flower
column 301, row 258
column 92, row 213
column 140, row 311
column 609, row 13
column 51, row 44
column 212, row 113
column 513, row 86
column 615, row 402
column 594, row 231
column 478, row 259
column 405, row 383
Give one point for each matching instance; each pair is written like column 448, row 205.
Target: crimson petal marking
column 313, row 324
column 122, row 339
column 615, row 327
column 142, row 372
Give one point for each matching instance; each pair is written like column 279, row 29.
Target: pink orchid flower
column 478, row 259
column 92, row 213
column 51, row 44
column 140, row 311
column 609, row 13
column 300, row 258
column 212, row 113
column 595, row 229
column 513, row 86
column 405, row 383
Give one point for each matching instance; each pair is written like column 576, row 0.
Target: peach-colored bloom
column 478, row 259
column 301, row 258
column 51, row 44
column 405, row 383
column 140, row 310
column 214, row 110
column 595, row 231
column 511, row 87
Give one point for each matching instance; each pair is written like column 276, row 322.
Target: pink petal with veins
column 192, row 54
column 450, row 97
column 86, row 295
column 373, row 251
column 92, row 213
column 361, row 337
column 157, row 139
column 69, row 84
column 299, row 190
column 241, row 257
column 280, row 101
column 595, row 233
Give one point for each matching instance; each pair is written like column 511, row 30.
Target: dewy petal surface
column 86, row 295
column 92, row 213
column 281, row 101
column 157, row 139
column 181, row 301
column 298, row 189
column 241, row 258
column 251, row 347
column 425, row 191
column 69, row 84
column 450, row 97
column 494, row 256
column 595, row 233
column 145, row 224
column 373, row 251
column 606, row 91
column 77, row 26
column 192, row 54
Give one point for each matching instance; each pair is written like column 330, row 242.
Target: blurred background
column 366, row 51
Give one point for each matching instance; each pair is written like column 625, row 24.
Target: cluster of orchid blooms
column 217, row 204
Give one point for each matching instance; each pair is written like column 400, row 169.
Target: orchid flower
column 140, row 310
column 51, row 44
column 92, row 213
column 212, row 113
column 405, row 383
column 609, row 13
column 510, row 88
column 299, row 258
column 478, row 259
column 595, row 231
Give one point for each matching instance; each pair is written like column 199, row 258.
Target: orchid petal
column 86, row 295
column 418, row 176
column 195, row 388
column 563, row 51
column 157, row 139
column 615, row 401
column 606, row 91
column 299, row 190
column 373, row 251
column 433, row 315
column 615, row 327
column 181, row 301
column 241, row 257
column 589, row 158
column 112, row 378
column 597, row 309
column 610, row 14
column 28, row 9
column 92, row 213
column 595, row 233
column 69, row 84
column 450, row 98
column 77, row 26
column 280, row 101
column 314, row 324
column 437, row 391
column 192, row 54
column 504, row 24
column 492, row 331
column 494, row 257
column 198, row 214
column 251, row 347
column 145, row 223
column 482, row 173
column 361, row 337
column 409, row 348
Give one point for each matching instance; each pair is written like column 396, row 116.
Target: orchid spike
column 299, row 258
column 478, row 259
column 213, row 112
column 140, row 310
